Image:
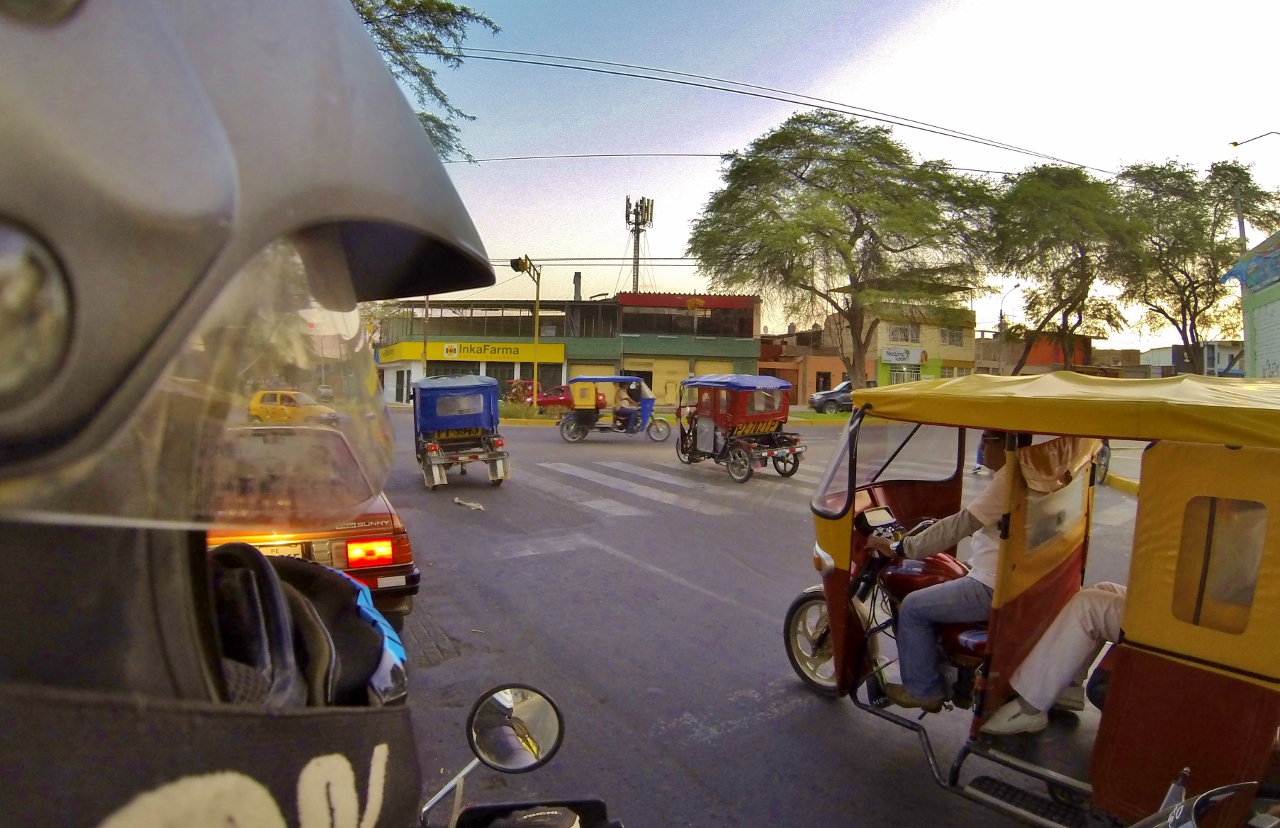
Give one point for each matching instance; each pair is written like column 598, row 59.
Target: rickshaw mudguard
column 847, row 635
column 1220, row 727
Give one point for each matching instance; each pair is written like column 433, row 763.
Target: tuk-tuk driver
column 966, row 599
column 622, row 410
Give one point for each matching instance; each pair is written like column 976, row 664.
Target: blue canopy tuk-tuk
column 455, row 422
column 585, row 416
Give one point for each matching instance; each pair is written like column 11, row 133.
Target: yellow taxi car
column 373, row 548
column 283, row 406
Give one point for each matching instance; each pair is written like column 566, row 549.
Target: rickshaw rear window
column 456, row 406
column 764, row 401
column 1218, row 562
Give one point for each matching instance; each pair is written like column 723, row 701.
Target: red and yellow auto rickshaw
column 736, row 420
column 1194, row 681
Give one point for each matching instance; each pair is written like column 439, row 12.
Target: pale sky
column 1102, row 83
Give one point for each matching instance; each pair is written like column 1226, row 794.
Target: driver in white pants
column 1091, row 617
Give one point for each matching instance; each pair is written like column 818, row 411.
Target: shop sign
column 473, row 352
column 904, row 356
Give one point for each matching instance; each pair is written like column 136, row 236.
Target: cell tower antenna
column 639, row 218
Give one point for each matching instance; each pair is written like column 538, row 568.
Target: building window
column 952, row 336
column 948, row 372
column 903, row 373
column 963, row 372
column 984, row 370
column 823, row 382
column 1218, row 562
column 904, row 332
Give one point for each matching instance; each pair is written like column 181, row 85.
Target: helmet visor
column 234, row 432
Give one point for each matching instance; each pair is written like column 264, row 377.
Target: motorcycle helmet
column 193, row 198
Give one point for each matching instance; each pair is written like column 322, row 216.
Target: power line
column 842, row 109
column 571, row 155
column 745, row 85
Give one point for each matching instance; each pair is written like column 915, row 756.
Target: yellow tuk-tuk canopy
column 1185, row 408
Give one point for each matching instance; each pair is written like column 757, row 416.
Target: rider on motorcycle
column 624, row 411
column 193, row 198
column 964, row 599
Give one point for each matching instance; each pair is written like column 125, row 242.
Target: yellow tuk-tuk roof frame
column 1185, row 408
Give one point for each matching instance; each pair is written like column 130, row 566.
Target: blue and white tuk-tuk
column 455, row 422
column 585, row 416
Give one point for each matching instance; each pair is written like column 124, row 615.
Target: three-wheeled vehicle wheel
column 684, row 449
column 427, row 479
column 808, row 640
column 738, row 462
column 571, row 431
column 658, row 430
column 786, row 464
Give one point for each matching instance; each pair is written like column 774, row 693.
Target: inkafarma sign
column 548, row 353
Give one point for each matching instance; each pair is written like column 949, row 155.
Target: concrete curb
column 1123, row 484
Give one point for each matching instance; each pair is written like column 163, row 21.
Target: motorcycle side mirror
column 515, row 728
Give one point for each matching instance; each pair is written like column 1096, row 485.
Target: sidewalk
column 1126, row 465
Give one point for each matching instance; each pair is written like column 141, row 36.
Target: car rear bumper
column 386, row 582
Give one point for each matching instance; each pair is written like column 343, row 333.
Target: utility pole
column 426, row 314
column 1000, row 334
column 525, row 265
column 1244, row 248
column 638, row 217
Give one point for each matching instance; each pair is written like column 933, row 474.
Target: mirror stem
column 443, row 792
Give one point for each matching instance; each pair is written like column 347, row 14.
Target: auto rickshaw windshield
column 884, row 451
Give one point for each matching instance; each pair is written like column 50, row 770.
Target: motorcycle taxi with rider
column 1193, row 681
column 631, row 394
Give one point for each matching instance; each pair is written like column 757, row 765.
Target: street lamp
column 1254, row 138
column 525, row 265
column 1000, row 335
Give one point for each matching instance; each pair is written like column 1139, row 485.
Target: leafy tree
column 832, row 218
column 1187, row 239
column 1061, row 231
column 406, row 30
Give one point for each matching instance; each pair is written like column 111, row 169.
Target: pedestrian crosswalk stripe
column 661, row 477
column 639, row 490
column 577, row 496
column 771, row 491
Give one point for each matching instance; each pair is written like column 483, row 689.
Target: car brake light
column 499, row 442
column 433, row 446
column 369, row 552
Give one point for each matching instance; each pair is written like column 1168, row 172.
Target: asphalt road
column 647, row 599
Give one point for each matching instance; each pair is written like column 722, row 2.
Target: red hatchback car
column 560, row 397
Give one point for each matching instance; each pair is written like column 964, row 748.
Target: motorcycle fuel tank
column 904, row 576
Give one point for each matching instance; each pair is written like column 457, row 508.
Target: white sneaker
column 1011, row 719
column 1071, row 699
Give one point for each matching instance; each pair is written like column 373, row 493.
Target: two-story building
column 662, row 338
column 921, row 345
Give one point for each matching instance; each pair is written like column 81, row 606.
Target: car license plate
column 286, row 550
column 391, row 581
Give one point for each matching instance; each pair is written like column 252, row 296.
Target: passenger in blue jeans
column 964, row 599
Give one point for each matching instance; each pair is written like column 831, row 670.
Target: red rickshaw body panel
column 1220, row 727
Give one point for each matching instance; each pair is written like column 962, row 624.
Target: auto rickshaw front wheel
column 786, row 464
column 808, row 640
column 658, row 430
column 684, row 448
column 738, row 462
